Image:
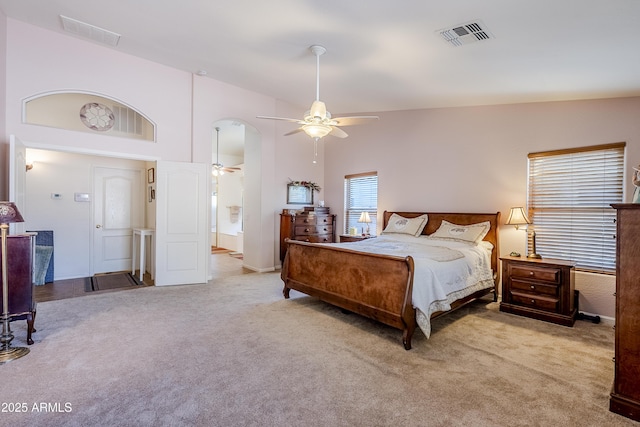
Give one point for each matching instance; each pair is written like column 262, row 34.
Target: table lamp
column 364, row 218
column 8, row 214
column 517, row 217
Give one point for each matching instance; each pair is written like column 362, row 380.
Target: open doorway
column 61, row 197
column 227, row 195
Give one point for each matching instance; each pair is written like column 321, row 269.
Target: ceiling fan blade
column 300, row 122
column 356, row 120
column 337, row 132
column 294, row 131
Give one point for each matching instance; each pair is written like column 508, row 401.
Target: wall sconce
column 366, row 219
column 517, row 217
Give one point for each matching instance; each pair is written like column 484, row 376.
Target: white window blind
column 360, row 195
column 569, row 200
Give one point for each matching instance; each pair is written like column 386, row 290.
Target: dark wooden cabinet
column 22, row 305
column 315, row 225
column 625, row 396
column 539, row 288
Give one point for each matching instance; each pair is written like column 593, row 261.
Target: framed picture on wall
column 151, row 175
column 299, row 195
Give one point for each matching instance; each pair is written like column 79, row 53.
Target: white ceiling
column 381, row 55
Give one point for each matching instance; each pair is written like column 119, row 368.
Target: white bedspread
column 445, row 271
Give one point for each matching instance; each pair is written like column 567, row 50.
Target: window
column 570, row 193
column 360, row 195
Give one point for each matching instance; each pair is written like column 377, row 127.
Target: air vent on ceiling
column 463, row 34
column 89, row 31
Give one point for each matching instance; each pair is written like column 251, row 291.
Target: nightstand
column 539, row 288
column 349, row 238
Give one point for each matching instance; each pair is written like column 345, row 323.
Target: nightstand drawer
column 539, row 302
column 550, row 275
column 535, row 288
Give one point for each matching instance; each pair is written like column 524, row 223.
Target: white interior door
column 17, row 181
column 118, row 207
column 183, row 204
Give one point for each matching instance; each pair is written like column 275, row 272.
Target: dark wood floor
column 223, row 264
column 72, row 288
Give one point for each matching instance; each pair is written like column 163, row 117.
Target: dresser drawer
column 550, row 275
column 316, row 238
column 314, row 229
column 301, row 220
column 535, row 288
column 539, row 302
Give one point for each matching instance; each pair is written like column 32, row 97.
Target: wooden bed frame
column 376, row 286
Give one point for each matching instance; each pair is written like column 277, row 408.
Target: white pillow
column 472, row 233
column 401, row 225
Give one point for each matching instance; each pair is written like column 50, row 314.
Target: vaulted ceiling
column 381, row 55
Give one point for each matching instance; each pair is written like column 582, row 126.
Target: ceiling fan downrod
column 318, row 51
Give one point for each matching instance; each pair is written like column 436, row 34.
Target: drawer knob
column 306, row 229
column 306, row 240
column 531, row 273
column 533, row 287
column 533, row 301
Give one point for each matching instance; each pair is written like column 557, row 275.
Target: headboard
column 435, row 219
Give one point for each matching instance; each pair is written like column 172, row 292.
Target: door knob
column 98, row 226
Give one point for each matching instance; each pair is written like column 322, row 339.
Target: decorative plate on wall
column 97, row 116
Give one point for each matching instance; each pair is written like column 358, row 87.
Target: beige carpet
column 234, row 353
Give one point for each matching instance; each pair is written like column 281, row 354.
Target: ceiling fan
column 217, row 167
column 317, row 122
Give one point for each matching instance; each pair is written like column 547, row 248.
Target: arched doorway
column 227, row 195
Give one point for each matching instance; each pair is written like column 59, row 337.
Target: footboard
column 376, row 286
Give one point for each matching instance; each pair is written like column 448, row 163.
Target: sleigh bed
column 376, row 277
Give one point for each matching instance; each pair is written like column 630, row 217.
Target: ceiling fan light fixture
column 319, row 110
column 217, row 169
column 316, row 131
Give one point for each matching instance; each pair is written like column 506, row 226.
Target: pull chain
column 315, row 150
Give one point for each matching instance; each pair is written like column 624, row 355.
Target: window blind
column 569, row 198
column 360, row 195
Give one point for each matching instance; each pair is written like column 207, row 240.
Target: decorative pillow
column 401, row 225
column 473, row 233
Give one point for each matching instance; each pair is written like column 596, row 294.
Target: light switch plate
column 82, row 197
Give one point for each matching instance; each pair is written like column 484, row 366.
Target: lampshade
column 9, row 213
column 517, row 217
column 316, row 131
column 364, row 217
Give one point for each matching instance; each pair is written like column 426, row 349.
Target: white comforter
column 445, row 271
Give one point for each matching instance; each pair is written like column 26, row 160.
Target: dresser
column 543, row 289
column 313, row 224
column 625, row 396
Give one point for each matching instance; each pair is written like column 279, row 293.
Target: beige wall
column 475, row 160
column 455, row 159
